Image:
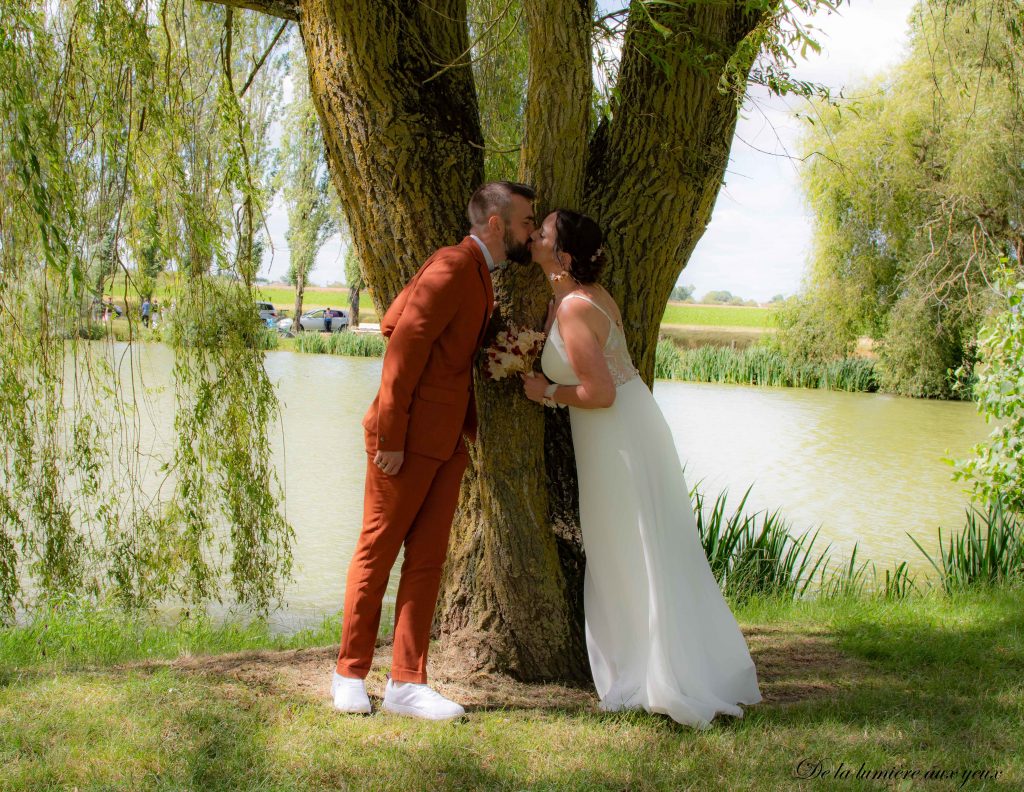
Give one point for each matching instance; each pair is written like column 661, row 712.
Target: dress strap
column 579, row 296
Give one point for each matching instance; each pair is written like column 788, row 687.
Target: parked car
column 314, row 321
column 268, row 313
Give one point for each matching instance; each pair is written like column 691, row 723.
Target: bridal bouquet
column 514, row 349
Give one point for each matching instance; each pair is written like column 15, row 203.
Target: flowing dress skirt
column 659, row 634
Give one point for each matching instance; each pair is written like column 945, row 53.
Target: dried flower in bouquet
column 513, row 350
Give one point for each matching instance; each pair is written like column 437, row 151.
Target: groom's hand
column 389, row 462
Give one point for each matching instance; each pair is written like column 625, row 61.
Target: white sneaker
column 419, row 701
column 349, row 694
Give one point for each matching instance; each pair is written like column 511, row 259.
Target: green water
column 866, row 468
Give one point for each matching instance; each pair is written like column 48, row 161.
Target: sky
column 757, row 242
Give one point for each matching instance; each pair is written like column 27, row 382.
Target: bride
column 659, row 634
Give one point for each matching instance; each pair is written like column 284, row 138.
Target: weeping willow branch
column 107, row 158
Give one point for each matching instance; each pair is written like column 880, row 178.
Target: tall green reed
column 988, row 552
column 754, row 554
column 344, row 343
column 761, row 365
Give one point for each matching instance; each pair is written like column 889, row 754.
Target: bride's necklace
column 558, row 280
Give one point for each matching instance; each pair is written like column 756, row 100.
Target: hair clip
column 597, row 253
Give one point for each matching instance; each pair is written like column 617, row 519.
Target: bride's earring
column 557, row 276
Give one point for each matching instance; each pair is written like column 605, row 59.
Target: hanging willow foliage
column 130, row 143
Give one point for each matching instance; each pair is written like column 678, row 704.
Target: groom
column 415, row 452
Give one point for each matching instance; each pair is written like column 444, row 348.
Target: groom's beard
column 517, row 252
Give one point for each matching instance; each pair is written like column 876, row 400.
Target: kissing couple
column 659, row 634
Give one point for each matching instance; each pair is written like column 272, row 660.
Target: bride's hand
column 534, row 386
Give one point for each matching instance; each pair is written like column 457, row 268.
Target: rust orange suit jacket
column 434, row 327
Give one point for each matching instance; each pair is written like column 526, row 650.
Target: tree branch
column 283, row 9
column 256, row 68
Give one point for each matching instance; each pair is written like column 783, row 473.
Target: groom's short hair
column 494, row 198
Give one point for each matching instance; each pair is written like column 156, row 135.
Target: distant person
column 147, row 307
column 328, row 315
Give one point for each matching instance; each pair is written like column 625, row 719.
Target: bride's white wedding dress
column 659, row 633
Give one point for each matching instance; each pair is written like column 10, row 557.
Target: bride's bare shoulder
column 573, row 308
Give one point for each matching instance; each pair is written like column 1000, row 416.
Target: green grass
column 314, row 298
column 929, row 682
column 718, row 316
column 72, row 633
column 283, row 297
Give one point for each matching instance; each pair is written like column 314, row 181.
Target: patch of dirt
column 791, row 666
column 796, row 666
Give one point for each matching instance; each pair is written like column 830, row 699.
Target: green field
column 675, row 313
column 718, row 316
column 283, row 297
column 313, row 298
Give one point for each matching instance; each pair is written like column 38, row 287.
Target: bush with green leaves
column 996, row 471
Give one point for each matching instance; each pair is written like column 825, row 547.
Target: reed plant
column 849, row 580
column 761, row 365
column 988, row 552
column 267, row 339
column 754, row 554
column 898, row 583
column 345, row 343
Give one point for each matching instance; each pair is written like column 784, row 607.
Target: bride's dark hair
column 580, row 237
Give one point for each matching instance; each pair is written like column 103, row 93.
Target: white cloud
column 757, row 242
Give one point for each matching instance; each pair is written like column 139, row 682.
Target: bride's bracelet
column 549, row 396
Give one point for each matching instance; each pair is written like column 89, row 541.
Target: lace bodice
column 555, row 360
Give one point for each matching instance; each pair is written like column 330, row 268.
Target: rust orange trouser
column 413, row 508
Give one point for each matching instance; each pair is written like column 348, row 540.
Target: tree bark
column 353, row 306
column 300, row 289
column 655, row 171
column 394, row 91
column 511, row 596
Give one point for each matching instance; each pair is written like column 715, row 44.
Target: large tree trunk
column 394, row 91
column 300, row 290
column 512, row 592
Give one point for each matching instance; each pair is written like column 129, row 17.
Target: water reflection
column 867, row 468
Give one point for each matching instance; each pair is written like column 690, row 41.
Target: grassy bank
column 926, row 680
column 926, row 684
column 753, row 365
column 696, row 336
column 317, row 297
column 886, row 678
column 760, row 365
